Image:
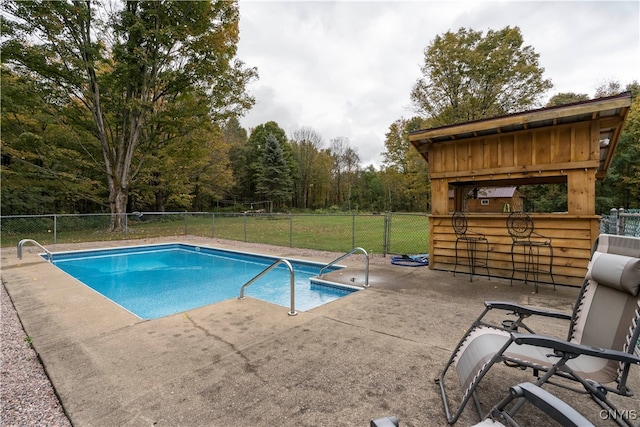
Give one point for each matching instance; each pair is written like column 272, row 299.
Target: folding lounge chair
column 598, row 352
column 555, row 408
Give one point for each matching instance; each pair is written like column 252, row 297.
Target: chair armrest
column 573, row 348
column 550, row 404
column 520, row 309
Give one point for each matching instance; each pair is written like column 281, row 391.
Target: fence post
column 186, row 231
column 613, row 221
column 245, row 227
column 213, row 225
column 55, row 229
column 620, row 230
column 290, row 230
column 353, row 231
column 126, row 226
column 386, row 241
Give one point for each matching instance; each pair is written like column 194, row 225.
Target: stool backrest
column 459, row 223
column 519, row 225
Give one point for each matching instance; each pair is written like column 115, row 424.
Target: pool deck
column 248, row 363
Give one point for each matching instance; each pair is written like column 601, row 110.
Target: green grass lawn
column 408, row 234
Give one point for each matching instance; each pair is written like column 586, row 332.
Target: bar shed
column 571, row 144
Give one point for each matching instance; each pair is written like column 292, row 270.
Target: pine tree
column 274, row 175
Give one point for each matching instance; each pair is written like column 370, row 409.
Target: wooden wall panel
column 449, row 157
column 462, row 156
column 563, row 140
column 542, row 147
column 581, row 143
column 476, row 155
column 581, row 186
column 572, row 239
column 436, row 160
column 439, row 196
column 506, row 148
column 524, row 149
column 493, row 152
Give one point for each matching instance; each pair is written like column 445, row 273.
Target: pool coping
column 56, row 257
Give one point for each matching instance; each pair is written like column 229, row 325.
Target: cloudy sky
column 346, row 68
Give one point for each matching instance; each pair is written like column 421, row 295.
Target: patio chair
column 471, row 239
column 520, row 228
column 556, row 409
column 598, row 353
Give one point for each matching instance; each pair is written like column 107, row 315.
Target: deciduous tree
column 306, row 144
column 467, row 76
column 123, row 71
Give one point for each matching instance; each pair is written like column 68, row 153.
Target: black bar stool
column 471, row 239
column 520, row 227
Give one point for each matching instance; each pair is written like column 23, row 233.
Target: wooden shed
column 490, row 199
column 571, row 144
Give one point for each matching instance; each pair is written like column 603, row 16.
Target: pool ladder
column 22, row 243
column 292, row 281
column 366, row 268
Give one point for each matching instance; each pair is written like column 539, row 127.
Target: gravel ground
column 26, row 394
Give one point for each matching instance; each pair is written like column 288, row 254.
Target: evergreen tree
column 274, row 181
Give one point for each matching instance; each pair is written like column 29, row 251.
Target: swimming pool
column 158, row 280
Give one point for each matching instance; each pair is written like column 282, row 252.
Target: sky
column 346, row 68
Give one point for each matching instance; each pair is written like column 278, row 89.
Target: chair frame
column 472, row 239
column 557, row 409
column 565, row 350
column 520, row 227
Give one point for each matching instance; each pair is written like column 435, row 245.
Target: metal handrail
column 23, row 241
column 292, row 281
column 366, row 270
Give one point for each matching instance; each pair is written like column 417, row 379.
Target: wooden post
column 581, row 189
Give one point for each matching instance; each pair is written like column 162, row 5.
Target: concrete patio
column 248, row 363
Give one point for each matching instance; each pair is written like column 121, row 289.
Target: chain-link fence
column 625, row 223
column 389, row 233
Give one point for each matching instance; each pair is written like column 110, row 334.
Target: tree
column 371, row 190
column 306, row 144
column 566, row 98
column 621, row 187
column 44, row 166
column 406, row 174
column 468, row 76
column 274, row 175
column 123, row 71
column 251, row 156
column 345, row 167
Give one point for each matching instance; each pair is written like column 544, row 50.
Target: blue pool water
column 159, row 280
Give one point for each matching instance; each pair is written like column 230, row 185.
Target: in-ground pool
column 158, row 280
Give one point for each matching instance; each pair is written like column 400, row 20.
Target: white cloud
column 346, row 68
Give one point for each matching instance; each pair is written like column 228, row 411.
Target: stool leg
column 471, row 249
column 551, row 266
column 513, row 263
column 455, row 266
column 486, row 257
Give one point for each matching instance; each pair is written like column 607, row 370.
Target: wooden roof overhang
column 607, row 114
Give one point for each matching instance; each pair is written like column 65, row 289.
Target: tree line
column 137, row 108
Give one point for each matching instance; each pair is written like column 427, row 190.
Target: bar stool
column 471, row 239
column 520, row 227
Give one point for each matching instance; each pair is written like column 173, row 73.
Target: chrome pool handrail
column 292, row 282
column 366, row 269
column 22, row 243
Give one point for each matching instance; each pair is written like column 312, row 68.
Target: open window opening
column 542, row 196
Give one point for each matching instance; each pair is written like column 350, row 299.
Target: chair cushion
column 615, row 271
